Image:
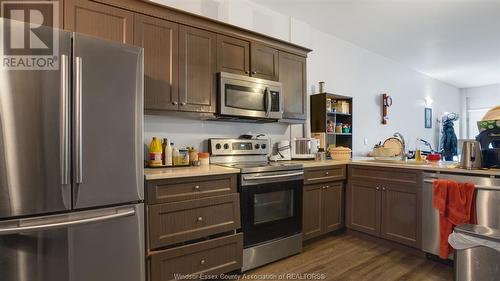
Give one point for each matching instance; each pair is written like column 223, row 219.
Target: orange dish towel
column 454, row 201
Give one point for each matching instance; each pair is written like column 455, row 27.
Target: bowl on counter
column 382, row 151
column 340, row 153
column 434, row 157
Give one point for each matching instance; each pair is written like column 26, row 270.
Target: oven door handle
column 273, row 176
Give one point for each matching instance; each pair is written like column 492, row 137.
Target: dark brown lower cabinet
column 388, row 208
column 363, row 203
column 211, row 257
column 322, row 208
column 182, row 221
column 192, row 227
column 401, row 215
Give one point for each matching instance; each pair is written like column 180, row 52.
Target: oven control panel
column 222, row 146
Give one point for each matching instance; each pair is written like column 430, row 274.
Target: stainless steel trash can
column 477, row 255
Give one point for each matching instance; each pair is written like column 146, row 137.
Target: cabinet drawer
column 172, row 223
column 324, row 174
column 215, row 256
column 172, row 190
column 385, row 175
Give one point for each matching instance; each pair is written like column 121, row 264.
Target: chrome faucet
column 404, row 156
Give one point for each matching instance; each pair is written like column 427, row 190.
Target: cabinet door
column 197, row 69
column 99, row 20
column 333, row 206
column 363, row 207
column 264, row 62
column 292, row 76
column 312, row 219
column 233, row 55
column 159, row 38
column 401, row 214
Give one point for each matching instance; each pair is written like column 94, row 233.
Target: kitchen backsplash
column 191, row 132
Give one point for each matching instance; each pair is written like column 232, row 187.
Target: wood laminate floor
column 345, row 257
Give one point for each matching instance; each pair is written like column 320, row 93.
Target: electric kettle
column 471, row 155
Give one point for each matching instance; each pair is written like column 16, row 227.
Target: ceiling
column 455, row 41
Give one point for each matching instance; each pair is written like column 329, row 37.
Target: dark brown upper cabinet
column 292, row 76
column 159, row 38
column 264, row 62
column 197, row 69
column 99, row 20
column 233, row 55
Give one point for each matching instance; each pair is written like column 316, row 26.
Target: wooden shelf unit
column 320, row 117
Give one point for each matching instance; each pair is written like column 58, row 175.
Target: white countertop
column 183, row 172
column 447, row 167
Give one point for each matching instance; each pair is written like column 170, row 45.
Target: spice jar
column 338, row 128
column 204, row 158
column 193, row 155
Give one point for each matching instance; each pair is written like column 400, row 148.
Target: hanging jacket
column 448, row 141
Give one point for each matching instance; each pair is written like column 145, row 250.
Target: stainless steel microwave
column 248, row 97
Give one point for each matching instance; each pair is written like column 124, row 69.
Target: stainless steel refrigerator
column 71, row 177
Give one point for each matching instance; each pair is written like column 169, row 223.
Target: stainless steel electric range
column 270, row 197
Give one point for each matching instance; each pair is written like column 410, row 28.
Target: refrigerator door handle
column 78, row 119
column 64, row 126
column 50, row 223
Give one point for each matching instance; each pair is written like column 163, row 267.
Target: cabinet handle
column 247, row 72
column 383, row 188
column 326, row 173
column 377, row 188
column 327, row 187
column 254, row 72
column 200, row 218
column 323, row 187
column 183, row 103
column 202, row 262
column 196, row 187
column 174, row 103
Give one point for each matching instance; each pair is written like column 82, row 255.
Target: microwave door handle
column 268, row 101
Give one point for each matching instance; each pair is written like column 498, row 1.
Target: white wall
column 346, row 69
column 475, row 103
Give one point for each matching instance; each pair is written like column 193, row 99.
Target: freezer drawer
column 98, row 245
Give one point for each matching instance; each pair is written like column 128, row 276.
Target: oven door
column 249, row 97
column 271, row 210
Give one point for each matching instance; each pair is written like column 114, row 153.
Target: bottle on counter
column 175, row 155
column 155, row 151
column 183, row 158
column 193, row 156
column 167, row 152
column 418, row 152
